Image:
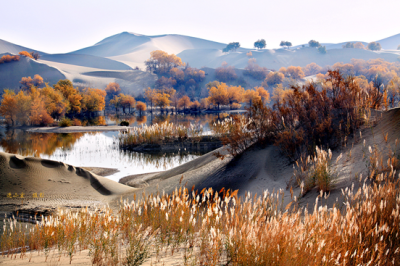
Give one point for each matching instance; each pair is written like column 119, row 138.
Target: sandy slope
column 61, row 184
column 259, row 169
column 11, row 73
column 275, row 59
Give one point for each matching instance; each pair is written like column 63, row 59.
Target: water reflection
column 37, row 144
column 100, row 149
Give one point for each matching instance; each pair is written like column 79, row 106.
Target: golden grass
column 159, row 133
column 214, row 228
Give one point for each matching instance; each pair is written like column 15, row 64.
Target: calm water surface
column 100, row 149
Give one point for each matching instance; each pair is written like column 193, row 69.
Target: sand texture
column 60, row 184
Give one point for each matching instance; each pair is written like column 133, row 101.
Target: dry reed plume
column 213, row 228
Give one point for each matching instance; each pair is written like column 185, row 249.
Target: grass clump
column 316, row 171
column 65, row 122
column 159, row 133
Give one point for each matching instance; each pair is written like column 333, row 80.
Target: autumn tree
column 112, row 89
column 151, row 96
column 116, row 102
column 161, row 62
column 93, row 100
column 263, row 93
column 254, row 70
column 218, row 95
column 233, row 46
column 314, row 43
column 141, row 107
column 260, row 44
column 38, row 113
column 359, row 45
column 37, row 80
column 235, row 95
column 285, row 44
column 162, row 100
column 393, row 91
column 280, row 93
column 71, row 94
column 8, row 106
column 374, row 46
column 8, row 58
column 312, row 69
column 250, row 96
column 225, row 73
column 184, row 102
column 195, row 105
column 272, row 79
column 23, row 107
column 295, row 72
column 26, row 54
column 26, row 82
column 127, row 101
column 54, row 101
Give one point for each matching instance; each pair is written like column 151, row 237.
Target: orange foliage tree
column 112, row 89
column 8, row 107
column 56, row 105
column 235, row 95
column 93, row 100
column 225, row 73
column 141, row 107
column 71, row 94
column 184, row 102
column 26, row 82
column 26, row 54
column 295, row 72
column 38, row 115
column 272, row 79
column 312, row 69
column 8, row 58
column 218, row 95
column 161, row 62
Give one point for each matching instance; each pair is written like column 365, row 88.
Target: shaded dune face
column 17, row 162
column 56, row 180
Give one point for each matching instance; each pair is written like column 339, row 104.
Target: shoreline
column 72, row 129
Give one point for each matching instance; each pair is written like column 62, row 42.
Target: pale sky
column 58, row 26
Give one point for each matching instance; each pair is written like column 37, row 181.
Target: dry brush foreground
column 219, row 228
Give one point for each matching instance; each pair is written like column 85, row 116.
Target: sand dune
column 390, row 43
column 61, row 184
column 275, row 59
column 11, row 73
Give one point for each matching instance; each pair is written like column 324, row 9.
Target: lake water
column 100, row 149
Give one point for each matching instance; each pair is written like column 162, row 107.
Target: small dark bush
column 65, row 122
column 124, row 123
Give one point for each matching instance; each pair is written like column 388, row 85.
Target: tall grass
column 216, row 227
column 159, row 133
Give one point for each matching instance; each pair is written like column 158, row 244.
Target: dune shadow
column 50, row 163
column 17, row 163
column 93, row 181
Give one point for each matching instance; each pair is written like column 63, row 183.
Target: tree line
column 41, row 106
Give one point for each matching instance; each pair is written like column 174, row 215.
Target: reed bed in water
column 216, row 227
column 159, row 133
